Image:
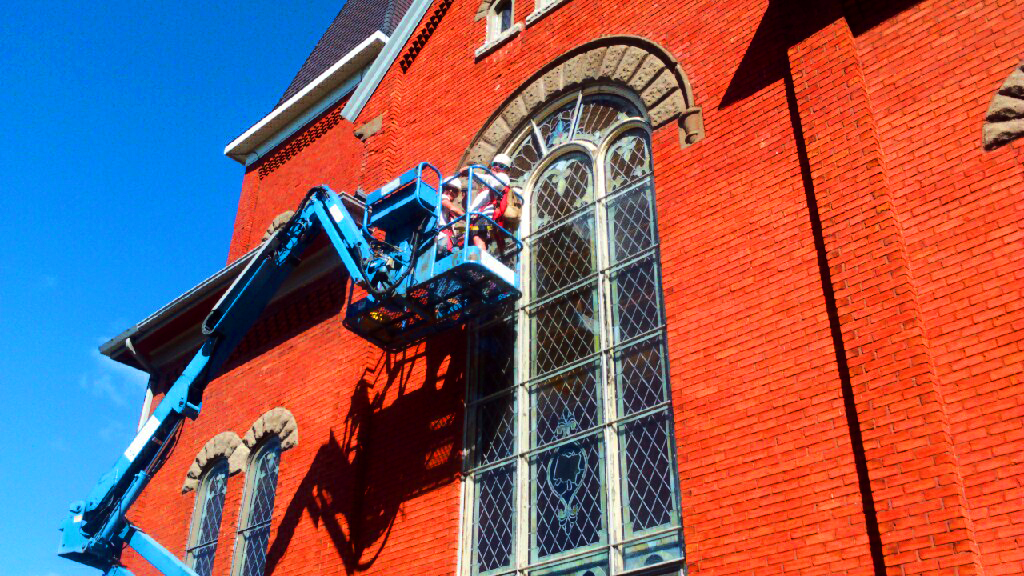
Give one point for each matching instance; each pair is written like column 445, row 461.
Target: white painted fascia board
column 311, row 101
column 387, row 57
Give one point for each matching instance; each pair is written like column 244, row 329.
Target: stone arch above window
column 277, row 422
column 483, row 9
column 1004, row 121
column 227, row 446
column 277, row 223
column 627, row 61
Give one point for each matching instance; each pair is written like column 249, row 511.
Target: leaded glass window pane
column 647, row 477
column 254, row 525
column 637, row 307
column 628, row 161
column 564, row 255
column 495, row 428
column 567, row 404
column 568, row 496
column 557, row 128
column 601, row 113
column 206, row 527
column 495, row 518
column 565, row 186
column 495, row 367
column 640, row 371
column 631, row 223
column 524, row 159
column 565, row 330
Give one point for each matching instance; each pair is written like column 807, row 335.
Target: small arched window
column 206, row 516
column 572, row 470
column 257, row 509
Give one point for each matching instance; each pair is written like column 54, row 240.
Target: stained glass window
column 572, row 458
column 257, row 510
column 202, row 542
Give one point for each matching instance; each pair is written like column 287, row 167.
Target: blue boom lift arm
column 413, row 290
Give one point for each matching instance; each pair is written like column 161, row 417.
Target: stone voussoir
column 1005, row 107
column 669, row 108
column 610, row 62
column 553, row 80
column 996, row 134
column 533, row 96
column 497, row 132
column 629, row 64
column 1014, row 85
column 224, row 445
column 514, row 113
column 662, row 85
column 646, row 73
column 574, row 71
column 593, row 59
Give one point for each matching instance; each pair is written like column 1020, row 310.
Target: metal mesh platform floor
column 466, row 292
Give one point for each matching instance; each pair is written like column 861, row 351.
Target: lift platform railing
column 448, row 288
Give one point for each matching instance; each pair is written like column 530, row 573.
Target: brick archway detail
column 277, row 422
column 226, row 445
column 1004, row 121
column 631, row 62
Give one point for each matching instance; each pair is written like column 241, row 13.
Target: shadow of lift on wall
column 396, row 445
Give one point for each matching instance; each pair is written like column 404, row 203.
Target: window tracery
column 258, row 508
column 206, row 517
column 572, row 467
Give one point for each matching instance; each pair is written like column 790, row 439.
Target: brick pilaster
column 923, row 521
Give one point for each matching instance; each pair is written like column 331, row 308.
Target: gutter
column 123, row 345
column 118, row 345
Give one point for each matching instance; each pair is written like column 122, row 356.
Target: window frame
column 494, row 19
column 243, row 527
column 617, row 534
column 219, row 466
column 494, row 35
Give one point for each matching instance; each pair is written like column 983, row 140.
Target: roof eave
column 336, row 82
column 117, row 347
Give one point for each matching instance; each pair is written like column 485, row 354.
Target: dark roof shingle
column 356, row 21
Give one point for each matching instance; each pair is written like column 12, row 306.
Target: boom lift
column 412, row 291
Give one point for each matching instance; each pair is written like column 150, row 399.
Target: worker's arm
column 451, row 206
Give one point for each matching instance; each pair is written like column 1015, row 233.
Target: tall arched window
column 572, row 467
column 257, row 509
column 202, row 541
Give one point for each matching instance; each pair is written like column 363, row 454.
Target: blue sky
column 115, row 197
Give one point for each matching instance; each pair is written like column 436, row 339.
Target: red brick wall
column 841, row 266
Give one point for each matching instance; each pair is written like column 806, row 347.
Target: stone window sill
column 493, row 44
column 544, row 10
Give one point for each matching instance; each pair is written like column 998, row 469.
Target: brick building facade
column 839, row 311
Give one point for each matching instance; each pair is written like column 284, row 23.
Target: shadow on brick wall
column 842, row 364
column 400, row 440
column 788, row 22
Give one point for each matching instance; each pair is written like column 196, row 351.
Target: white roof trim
column 317, row 96
column 382, row 64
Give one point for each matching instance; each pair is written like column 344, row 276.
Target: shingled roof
column 357, row 20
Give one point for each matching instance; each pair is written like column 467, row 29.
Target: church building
column 772, row 311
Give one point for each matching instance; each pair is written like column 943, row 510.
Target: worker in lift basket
column 492, row 201
column 451, row 189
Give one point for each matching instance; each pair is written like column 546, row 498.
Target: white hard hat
column 453, row 182
column 502, row 159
